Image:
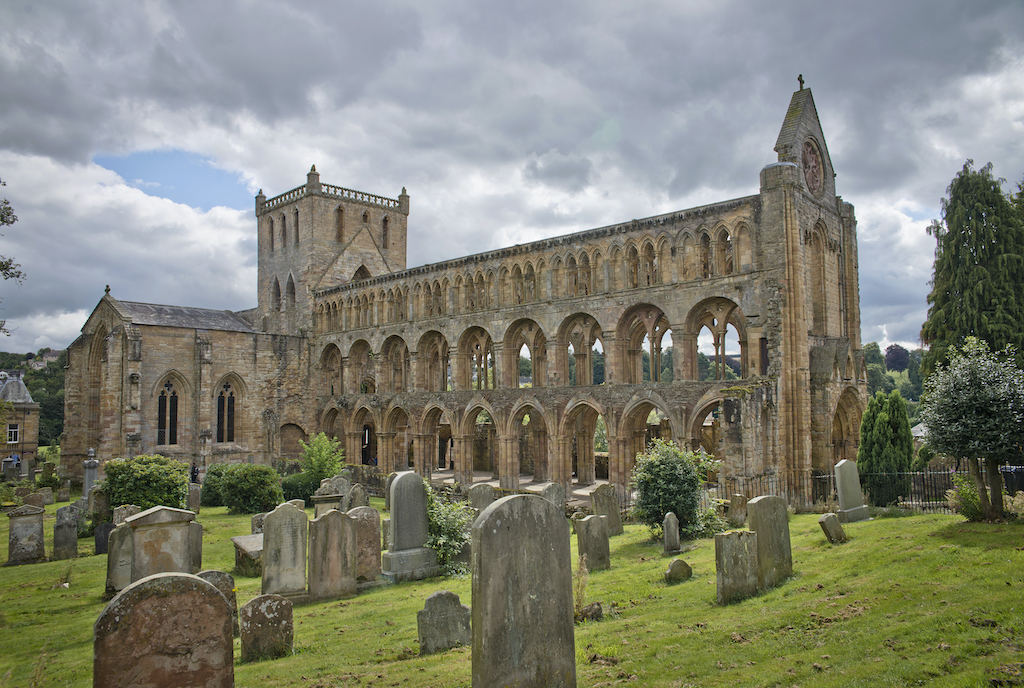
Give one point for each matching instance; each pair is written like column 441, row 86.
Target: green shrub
column 7, row 494
column 147, row 481
column 53, row 482
column 322, row 457
column 251, row 488
column 963, row 498
column 665, row 479
column 211, row 494
column 300, row 486
column 448, row 530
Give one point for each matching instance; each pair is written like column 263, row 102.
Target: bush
column 665, row 479
column 448, row 529
column 963, row 498
column 211, row 494
column 322, row 457
column 147, row 481
column 300, row 486
column 251, row 488
column 53, row 482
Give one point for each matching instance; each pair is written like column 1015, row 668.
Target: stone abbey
column 420, row 367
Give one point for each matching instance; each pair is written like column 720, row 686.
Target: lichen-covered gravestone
column 332, row 556
column 735, row 565
column 522, row 616
column 65, row 533
column 670, row 528
column 25, row 537
column 266, row 628
column 480, row 496
column 356, row 497
column 605, row 502
column 194, row 497
column 443, row 623
column 119, row 559
column 769, row 517
column 256, row 522
column 224, row 582
column 407, row 557
column 678, row 570
column 592, row 541
column 738, row 510
column 162, row 541
column 851, row 499
column 284, row 552
column 367, row 521
column 170, row 629
column 554, row 493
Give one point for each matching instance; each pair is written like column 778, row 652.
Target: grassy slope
column 927, row 599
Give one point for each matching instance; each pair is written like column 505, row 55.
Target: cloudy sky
column 133, row 136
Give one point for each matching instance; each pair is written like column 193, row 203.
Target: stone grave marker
column 162, row 542
column 735, row 565
column 297, row 503
column 592, row 540
column 224, row 582
column 65, row 533
column 119, row 559
column 678, row 571
column 385, row 531
column 99, row 505
column 605, row 502
column 769, row 517
column 670, row 527
column 101, row 537
column 387, row 490
column 851, row 499
column 194, row 497
column 554, row 493
column 332, row 556
column 266, row 627
column 356, row 497
column 47, row 494
column 169, row 629
column 832, row 528
column 284, row 552
column 480, row 496
column 737, row 510
column 123, row 512
column 407, row 557
column 367, row 520
column 522, row 615
column 34, row 499
column 25, row 537
column 443, row 623
column 89, row 468
column 10, row 471
column 22, row 492
column 64, row 494
column 257, row 522
column 248, row 554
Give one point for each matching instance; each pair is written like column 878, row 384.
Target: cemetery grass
column 908, row 601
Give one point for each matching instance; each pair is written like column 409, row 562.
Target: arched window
column 296, row 226
column 384, row 233
column 339, row 224
column 290, row 293
column 275, row 296
column 284, row 230
column 226, row 414
column 167, row 415
column 271, row 234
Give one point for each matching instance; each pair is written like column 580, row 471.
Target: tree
column 896, row 358
column 978, row 270
column 322, row 457
column 973, row 407
column 886, row 448
column 873, row 354
column 666, row 478
column 8, row 268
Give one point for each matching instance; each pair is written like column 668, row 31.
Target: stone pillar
column 90, row 465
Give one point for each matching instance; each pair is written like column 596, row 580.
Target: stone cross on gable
column 800, row 78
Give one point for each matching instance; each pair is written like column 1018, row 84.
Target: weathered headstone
column 332, row 556
column 123, row 512
column 325, row 502
column 480, row 496
column 89, row 468
column 367, row 520
column 284, row 552
column 554, row 493
column 119, row 559
column 224, row 582
column 670, row 527
column 851, row 499
column 101, row 538
column 592, row 540
column 266, row 627
column 195, row 539
column 605, row 502
column 22, row 492
column 25, row 538
column 738, row 510
column 257, row 522
column 735, row 565
column 443, row 623
column 99, row 505
column 248, row 554
column 65, row 533
column 34, row 499
column 161, row 541
column 169, row 629
column 47, row 495
column 387, row 490
column 385, row 530
column 356, row 497
column 194, row 497
column 297, row 503
column 407, row 557
column 64, row 494
column 832, row 529
column 522, row 596
column 768, row 516
column 678, row 570
column 10, row 470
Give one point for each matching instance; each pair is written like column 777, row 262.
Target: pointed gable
column 802, row 142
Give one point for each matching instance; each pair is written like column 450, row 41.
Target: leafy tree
column 978, row 270
column 525, row 366
column 322, row 457
column 598, row 367
column 973, row 407
column 878, row 381
column 666, row 479
column 896, row 358
column 8, row 268
column 147, row 481
column 873, row 354
column 448, row 530
column 886, row 448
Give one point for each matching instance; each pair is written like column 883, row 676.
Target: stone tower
column 318, row 235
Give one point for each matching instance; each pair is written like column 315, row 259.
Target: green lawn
column 908, row 601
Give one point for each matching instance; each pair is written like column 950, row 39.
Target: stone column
column 90, row 465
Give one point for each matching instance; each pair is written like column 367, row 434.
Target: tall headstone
column 101, row 537
column 332, row 556
column 407, row 557
column 670, row 527
column 522, row 615
column 266, row 627
column 605, row 502
column 387, row 490
column 443, row 623
column 34, row 499
column 736, row 565
column 224, row 582
column 554, row 493
column 161, row 541
column 119, row 559
column 99, row 505
column 592, row 540
column 194, row 497
column 89, row 468
column 65, row 533
column 769, row 517
column 47, row 495
column 851, row 499
column 480, row 496
column 367, row 520
column 169, row 629
column 25, row 537
column 284, row 552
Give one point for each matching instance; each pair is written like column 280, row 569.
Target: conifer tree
column 886, row 448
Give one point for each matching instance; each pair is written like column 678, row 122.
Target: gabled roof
column 14, row 391
column 180, row 316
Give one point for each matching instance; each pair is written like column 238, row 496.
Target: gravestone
column 101, row 538
column 65, row 533
column 670, row 527
column 162, row 542
column 248, row 554
column 738, row 510
column 480, row 496
column 387, row 490
column 22, row 492
column 735, row 565
column 123, row 512
column 119, row 559
column 10, row 471
column 605, row 502
column 25, row 537
column 297, row 503
column 169, row 629
column 257, row 522
column 832, row 529
column 332, row 556
column 678, row 570
column 851, row 499
column 226, row 584
column 266, row 627
column 47, row 495
column 522, row 615
column 554, row 493
column 34, row 499
column 592, row 541
column 443, row 623
column 324, row 503
column 407, row 557
column 768, row 516
column 367, row 520
column 64, row 494
column 89, row 467
column 99, row 505
column 356, row 497
column 284, row 553
column 194, row 497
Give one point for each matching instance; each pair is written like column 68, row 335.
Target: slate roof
column 182, row 316
column 14, row 391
